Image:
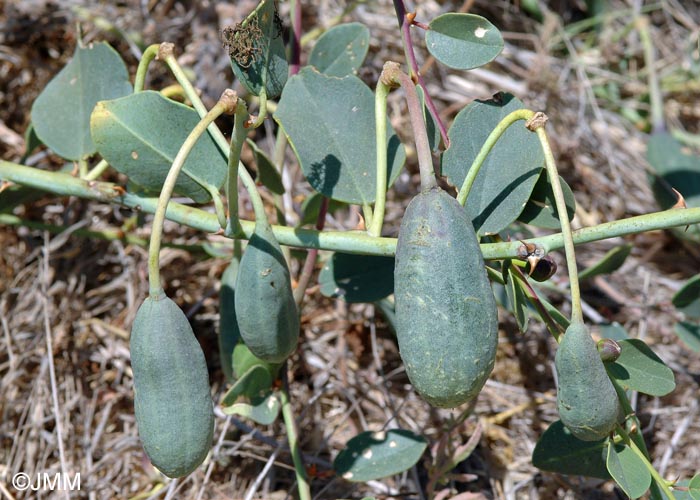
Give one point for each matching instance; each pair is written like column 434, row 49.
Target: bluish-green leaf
column 517, row 301
column 357, row 278
column 614, row 331
column 675, row 168
column 609, row 263
column 229, row 335
column 31, row 142
column 253, row 383
column 257, row 52
column 639, row 369
column 140, row 136
column 463, row 41
column 507, row 177
column 687, row 299
column 268, row 175
column 628, row 470
column 541, row 210
column 689, row 333
column 244, row 360
column 262, row 410
column 559, row 451
column 373, row 455
column 431, row 126
column 341, row 50
column 311, row 206
column 329, row 122
column 61, row 113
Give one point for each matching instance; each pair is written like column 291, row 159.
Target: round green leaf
column 689, row 333
column 341, row 50
column 509, row 173
column 373, row 455
column 675, row 169
column 541, row 209
column 357, row 278
column 257, row 52
column 628, row 470
column 687, row 299
column 463, row 41
column 61, row 113
column 639, row 369
column 558, row 450
column 262, row 410
column 140, row 135
column 609, row 263
column 252, row 384
column 329, row 122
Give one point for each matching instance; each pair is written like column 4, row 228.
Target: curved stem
column 262, row 111
column 225, row 104
column 290, row 425
column 148, row 55
column 392, row 74
column 380, row 96
column 496, row 133
column 234, row 156
column 550, row 165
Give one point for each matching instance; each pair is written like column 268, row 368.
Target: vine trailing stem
column 496, row 133
column 357, row 242
column 149, row 54
column 237, row 138
column 226, row 104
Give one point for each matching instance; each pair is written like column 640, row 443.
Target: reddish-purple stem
column 400, row 9
column 310, row 262
column 296, row 39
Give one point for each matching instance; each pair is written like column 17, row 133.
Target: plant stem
column 405, row 27
column 237, row 138
column 310, row 262
column 496, row 133
column 392, row 74
column 96, row 171
column 290, row 425
column 380, row 96
column 660, row 481
column 357, row 242
column 148, row 55
column 536, row 123
column 226, row 103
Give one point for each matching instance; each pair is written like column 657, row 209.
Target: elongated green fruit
column 446, row 317
column 265, row 308
column 229, row 334
column 174, row 409
column 586, row 399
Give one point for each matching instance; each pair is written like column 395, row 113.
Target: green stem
column 496, row 133
column 358, row 242
column 290, row 425
column 218, row 204
column 392, row 74
column 226, row 103
column 82, row 168
column 96, row 171
column 380, row 97
column 148, row 55
column 262, row 111
column 234, row 158
column 550, row 165
column 166, row 53
column 660, row 481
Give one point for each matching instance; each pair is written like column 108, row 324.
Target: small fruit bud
column 609, row 350
column 544, row 268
